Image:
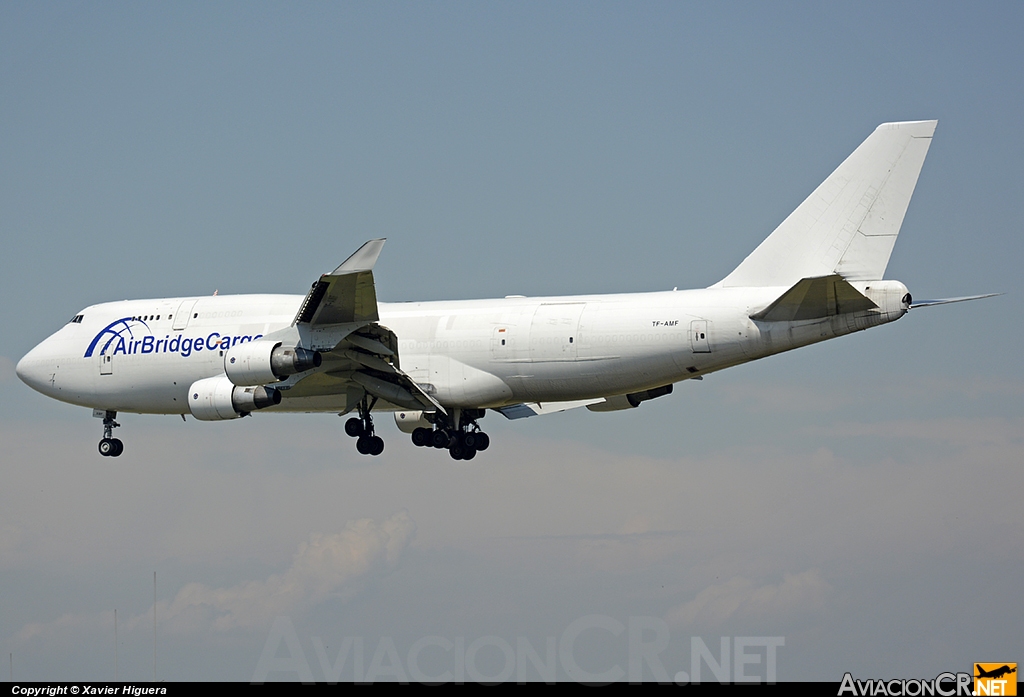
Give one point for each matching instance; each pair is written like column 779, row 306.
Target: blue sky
column 860, row 497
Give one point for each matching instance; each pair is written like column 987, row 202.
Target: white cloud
column 740, row 598
column 326, row 566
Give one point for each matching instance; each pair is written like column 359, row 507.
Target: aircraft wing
column 612, row 403
column 528, row 409
column 342, row 306
column 346, row 294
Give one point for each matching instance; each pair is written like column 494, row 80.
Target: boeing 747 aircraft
column 439, row 366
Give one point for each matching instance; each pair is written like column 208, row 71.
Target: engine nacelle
column 217, row 399
column 260, row 362
column 409, row 421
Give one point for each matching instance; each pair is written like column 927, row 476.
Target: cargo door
column 554, row 331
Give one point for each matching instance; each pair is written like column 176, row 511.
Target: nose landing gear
column 110, row 446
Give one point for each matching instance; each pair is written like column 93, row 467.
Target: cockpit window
column 77, row 319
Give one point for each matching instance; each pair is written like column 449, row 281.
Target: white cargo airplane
column 440, row 365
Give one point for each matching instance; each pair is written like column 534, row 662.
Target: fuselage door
column 184, row 313
column 699, row 336
column 502, row 346
column 554, row 332
column 106, row 364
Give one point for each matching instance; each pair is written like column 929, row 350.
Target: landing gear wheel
column 110, row 446
column 482, row 441
column 361, row 428
column 440, row 439
column 421, row 437
column 457, row 451
column 470, row 439
column 469, row 454
column 376, row 445
column 107, row 447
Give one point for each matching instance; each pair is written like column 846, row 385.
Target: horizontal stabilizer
column 814, row 298
column 947, row 301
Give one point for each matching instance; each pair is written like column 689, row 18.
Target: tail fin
column 850, row 223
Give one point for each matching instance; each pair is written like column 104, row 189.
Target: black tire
column 440, row 439
column 469, row 454
column 421, row 437
column 376, row 445
column 483, row 441
column 470, row 439
column 107, row 447
column 457, row 452
column 118, row 448
column 354, row 427
column 363, row 445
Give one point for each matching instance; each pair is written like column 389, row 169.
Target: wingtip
column 363, row 258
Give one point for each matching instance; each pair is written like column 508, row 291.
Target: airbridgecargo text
column 178, row 344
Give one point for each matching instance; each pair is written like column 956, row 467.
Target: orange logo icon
column 995, row 679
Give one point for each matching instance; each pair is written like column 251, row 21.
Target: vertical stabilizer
column 849, row 224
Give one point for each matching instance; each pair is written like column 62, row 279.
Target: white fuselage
column 142, row 355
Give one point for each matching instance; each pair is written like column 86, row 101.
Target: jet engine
column 260, row 362
column 217, row 399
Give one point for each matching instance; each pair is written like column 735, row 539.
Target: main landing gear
column 109, row 446
column 459, row 433
column 361, row 428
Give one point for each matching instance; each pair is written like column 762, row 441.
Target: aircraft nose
column 31, row 370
